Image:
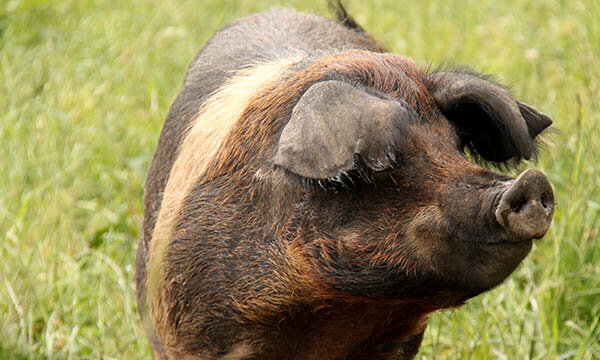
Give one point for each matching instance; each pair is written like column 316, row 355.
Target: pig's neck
column 356, row 331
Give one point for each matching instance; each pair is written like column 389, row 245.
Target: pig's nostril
column 544, row 200
column 518, row 205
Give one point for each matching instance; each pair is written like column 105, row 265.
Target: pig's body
column 308, row 197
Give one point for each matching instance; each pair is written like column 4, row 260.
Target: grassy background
column 85, row 87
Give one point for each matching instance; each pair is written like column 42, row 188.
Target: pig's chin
column 490, row 263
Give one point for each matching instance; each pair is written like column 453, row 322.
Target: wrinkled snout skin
column 313, row 196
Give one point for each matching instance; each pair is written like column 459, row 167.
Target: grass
column 86, row 85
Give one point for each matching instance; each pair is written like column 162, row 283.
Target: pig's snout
column 527, row 207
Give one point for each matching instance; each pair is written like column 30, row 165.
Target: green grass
column 84, row 89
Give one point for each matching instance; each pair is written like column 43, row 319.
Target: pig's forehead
column 387, row 74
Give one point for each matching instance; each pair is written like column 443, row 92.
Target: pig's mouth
column 522, row 211
column 525, row 208
column 509, row 241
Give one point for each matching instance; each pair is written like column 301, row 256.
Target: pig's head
column 392, row 207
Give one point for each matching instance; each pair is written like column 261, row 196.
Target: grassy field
column 86, row 85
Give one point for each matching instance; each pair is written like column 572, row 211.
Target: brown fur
column 243, row 259
column 249, row 140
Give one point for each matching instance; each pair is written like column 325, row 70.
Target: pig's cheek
column 427, row 232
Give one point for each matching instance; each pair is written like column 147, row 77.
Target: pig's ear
column 489, row 121
column 336, row 128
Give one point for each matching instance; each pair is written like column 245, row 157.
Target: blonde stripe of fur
column 204, row 138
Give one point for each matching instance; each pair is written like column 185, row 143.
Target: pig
column 313, row 196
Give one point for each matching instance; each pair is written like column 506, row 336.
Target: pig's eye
column 490, row 123
column 339, row 133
